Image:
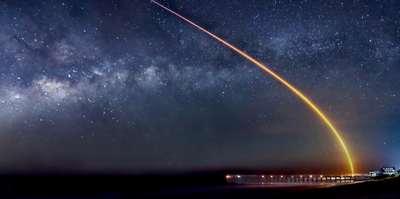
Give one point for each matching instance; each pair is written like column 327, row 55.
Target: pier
column 264, row 179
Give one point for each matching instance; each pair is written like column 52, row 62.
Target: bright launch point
column 273, row 74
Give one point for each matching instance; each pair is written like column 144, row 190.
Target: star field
column 127, row 86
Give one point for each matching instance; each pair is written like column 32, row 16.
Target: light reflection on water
column 273, row 185
column 283, row 185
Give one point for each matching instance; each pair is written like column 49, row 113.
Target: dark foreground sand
column 198, row 186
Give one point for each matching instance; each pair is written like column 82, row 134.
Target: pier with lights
column 264, row 179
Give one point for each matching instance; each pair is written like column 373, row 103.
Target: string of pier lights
column 238, row 176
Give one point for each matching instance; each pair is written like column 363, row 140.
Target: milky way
column 126, row 86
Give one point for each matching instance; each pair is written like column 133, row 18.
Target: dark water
column 108, row 187
column 238, row 191
column 224, row 192
column 218, row 191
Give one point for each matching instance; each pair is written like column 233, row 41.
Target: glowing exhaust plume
column 270, row 72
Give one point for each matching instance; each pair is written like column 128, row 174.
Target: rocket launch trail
column 271, row 73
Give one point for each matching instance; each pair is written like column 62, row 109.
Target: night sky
column 126, row 86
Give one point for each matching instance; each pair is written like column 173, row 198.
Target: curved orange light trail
column 270, row 72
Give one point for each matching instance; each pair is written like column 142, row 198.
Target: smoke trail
column 271, row 73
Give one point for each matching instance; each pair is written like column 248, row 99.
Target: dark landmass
column 198, row 185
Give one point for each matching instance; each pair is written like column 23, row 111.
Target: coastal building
column 373, row 173
column 388, row 170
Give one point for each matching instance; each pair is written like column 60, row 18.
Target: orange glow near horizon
column 271, row 73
